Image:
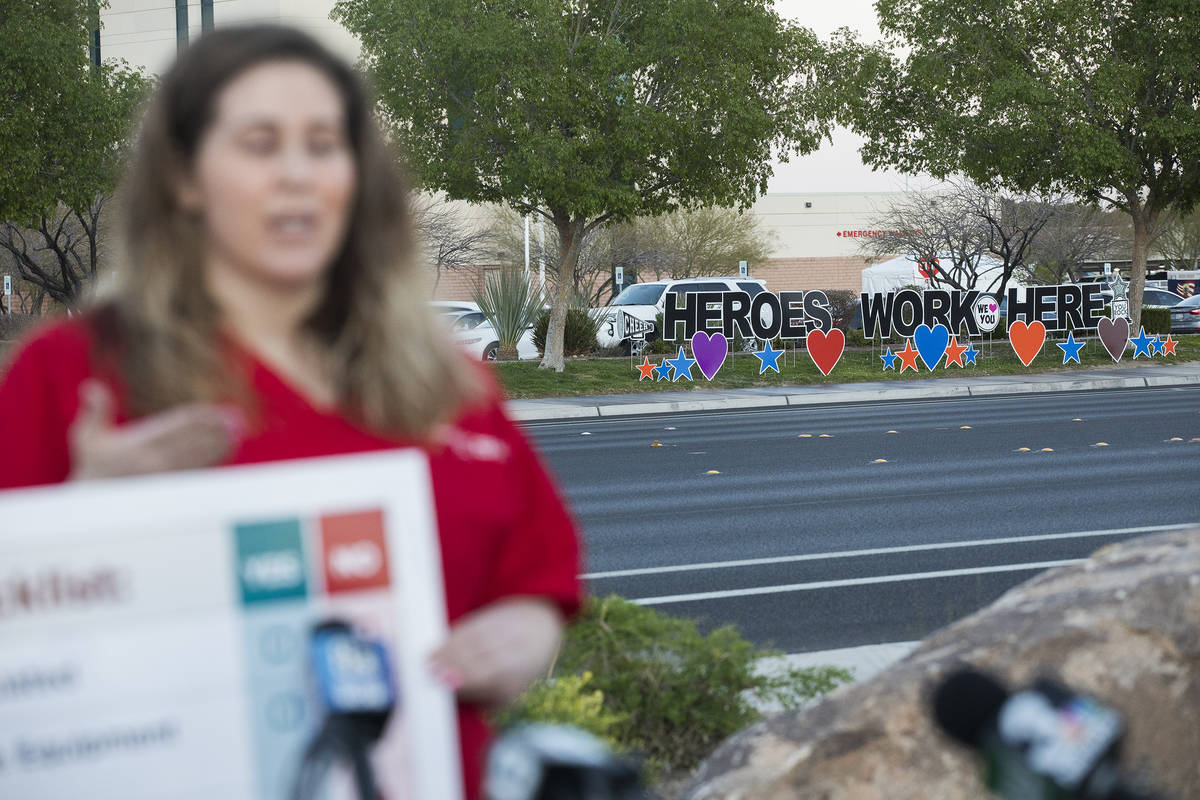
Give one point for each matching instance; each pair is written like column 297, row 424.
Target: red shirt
column 502, row 525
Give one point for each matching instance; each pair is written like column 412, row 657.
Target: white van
column 647, row 300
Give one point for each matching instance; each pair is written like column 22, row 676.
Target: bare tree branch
column 449, row 241
column 1076, row 234
column 62, row 254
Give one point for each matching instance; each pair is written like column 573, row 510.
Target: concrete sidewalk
column 864, row 662
column 966, row 385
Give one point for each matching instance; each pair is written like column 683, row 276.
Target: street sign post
column 8, row 294
column 742, row 269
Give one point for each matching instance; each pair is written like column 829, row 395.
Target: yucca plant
column 510, row 304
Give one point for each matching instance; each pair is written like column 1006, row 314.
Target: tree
column 60, row 252
column 63, row 123
column 591, row 111
column 966, row 224
column 938, row 232
column 706, row 241
column 26, row 297
column 1179, row 243
column 1011, row 224
column 1095, row 98
column 1074, row 235
column 450, row 243
column 680, row 244
column 585, row 281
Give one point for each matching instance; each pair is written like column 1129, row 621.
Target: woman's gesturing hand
column 186, row 437
column 494, row 653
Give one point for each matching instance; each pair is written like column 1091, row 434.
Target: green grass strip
column 599, row 376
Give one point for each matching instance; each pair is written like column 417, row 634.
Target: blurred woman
column 268, row 306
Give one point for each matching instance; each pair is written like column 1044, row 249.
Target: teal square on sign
column 270, row 561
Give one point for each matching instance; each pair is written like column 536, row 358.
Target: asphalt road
column 822, row 527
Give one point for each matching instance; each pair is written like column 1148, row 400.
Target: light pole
column 95, row 44
column 181, row 25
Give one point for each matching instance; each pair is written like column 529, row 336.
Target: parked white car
column 647, row 300
column 452, row 306
column 474, row 333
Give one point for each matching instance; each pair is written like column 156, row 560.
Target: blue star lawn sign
column 1071, row 348
column 768, row 358
column 1141, row 344
column 682, row 365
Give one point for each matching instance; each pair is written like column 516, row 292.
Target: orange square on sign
column 354, row 553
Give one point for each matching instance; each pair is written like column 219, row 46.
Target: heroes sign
column 788, row 315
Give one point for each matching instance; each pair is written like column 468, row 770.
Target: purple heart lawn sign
column 709, row 352
column 1114, row 334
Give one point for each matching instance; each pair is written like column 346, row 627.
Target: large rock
column 1124, row 626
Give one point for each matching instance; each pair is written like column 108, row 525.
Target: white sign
column 619, row 276
column 8, row 285
column 742, row 269
column 987, row 312
column 158, row 635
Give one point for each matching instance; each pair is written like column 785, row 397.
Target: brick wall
column 459, row 284
column 791, row 274
column 781, row 274
column 462, row 284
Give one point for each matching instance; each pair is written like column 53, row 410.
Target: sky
column 836, row 166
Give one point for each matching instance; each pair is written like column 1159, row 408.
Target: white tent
column 888, row 276
column 896, row 273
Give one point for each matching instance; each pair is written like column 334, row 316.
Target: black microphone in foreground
column 1042, row 743
column 558, row 762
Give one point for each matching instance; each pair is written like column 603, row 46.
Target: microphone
column 558, row 762
column 1042, row 743
column 354, row 680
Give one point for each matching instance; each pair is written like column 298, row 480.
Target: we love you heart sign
column 936, row 326
column 931, row 321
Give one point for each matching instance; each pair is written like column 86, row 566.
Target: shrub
column 855, row 338
column 510, row 304
column 579, row 335
column 676, row 693
column 842, row 306
column 13, row 325
column 661, row 347
column 1156, row 320
column 565, row 700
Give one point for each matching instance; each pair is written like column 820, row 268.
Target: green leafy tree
column 1097, row 98
column 589, row 111
column 63, row 123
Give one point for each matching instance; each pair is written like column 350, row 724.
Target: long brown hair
column 394, row 372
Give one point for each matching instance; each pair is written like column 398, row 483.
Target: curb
column 548, row 409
